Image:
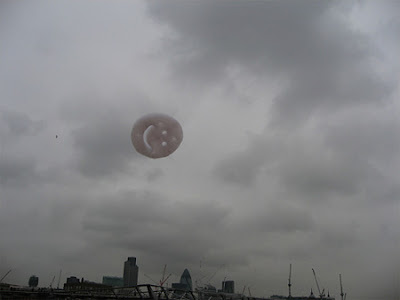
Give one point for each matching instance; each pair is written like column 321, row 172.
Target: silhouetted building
column 208, row 288
column 186, row 279
column 185, row 282
column 33, row 281
column 131, row 271
column 73, row 279
column 228, row 286
column 179, row 286
column 86, row 286
column 113, row 281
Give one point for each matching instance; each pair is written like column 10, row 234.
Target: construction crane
column 163, row 273
column 244, row 288
column 200, row 280
column 59, row 278
column 161, row 282
column 248, row 288
column 290, row 284
column 151, row 279
column 341, row 288
column 163, row 278
column 316, row 281
column 52, row 281
column 212, row 276
column 5, row 276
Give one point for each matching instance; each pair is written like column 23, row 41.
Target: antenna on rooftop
column 290, row 284
column 341, row 288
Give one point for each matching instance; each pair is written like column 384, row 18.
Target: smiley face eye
column 156, row 135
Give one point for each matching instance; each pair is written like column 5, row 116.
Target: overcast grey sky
column 290, row 114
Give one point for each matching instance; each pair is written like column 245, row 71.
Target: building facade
column 131, row 272
column 113, row 281
column 185, row 282
column 33, row 281
column 186, row 279
column 73, row 279
column 228, row 286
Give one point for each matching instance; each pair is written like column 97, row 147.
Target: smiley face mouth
column 146, row 134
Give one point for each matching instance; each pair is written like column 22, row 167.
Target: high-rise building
column 33, row 281
column 131, row 272
column 228, row 286
column 186, row 280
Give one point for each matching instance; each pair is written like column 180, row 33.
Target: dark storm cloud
column 344, row 163
column 17, row 171
column 15, row 168
column 241, row 169
column 150, row 223
column 318, row 170
column 315, row 92
column 214, row 34
column 320, row 175
column 297, row 163
column 339, row 236
column 154, row 174
column 184, row 232
column 327, row 67
column 101, row 130
column 326, row 64
column 18, row 124
column 374, row 133
column 324, row 145
column 281, row 218
column 104, row 146
column 367, row 144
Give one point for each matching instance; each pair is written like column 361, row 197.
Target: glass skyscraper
column 185, row 283
column 186, row 280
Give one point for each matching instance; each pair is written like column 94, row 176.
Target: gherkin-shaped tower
column 186, row 279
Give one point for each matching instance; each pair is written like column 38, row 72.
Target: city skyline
column 130, row 277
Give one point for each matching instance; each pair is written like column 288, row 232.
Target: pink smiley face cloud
column 156, row 135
